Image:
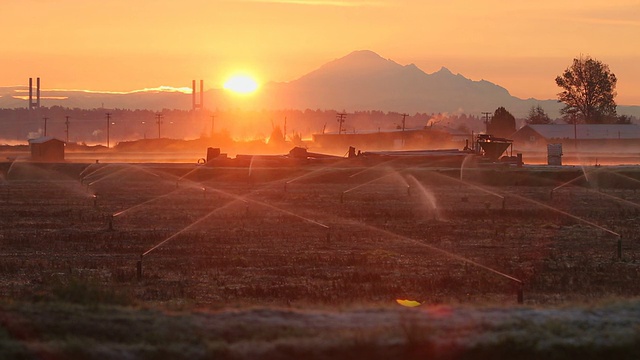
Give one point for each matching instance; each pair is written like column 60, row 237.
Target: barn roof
column 44, row 139
column 587, row 131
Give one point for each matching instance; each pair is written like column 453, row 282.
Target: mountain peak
column 444, row 71
column 360, row 63
column 364, row 55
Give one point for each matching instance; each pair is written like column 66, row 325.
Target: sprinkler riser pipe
column 139, row 270
column 619, row 248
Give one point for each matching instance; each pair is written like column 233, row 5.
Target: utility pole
column 404, row 117
column 575, row 133
column 284, row 132
column 108, row 125
column 66, row 122
column 159, row 117
column 486, row 121
column 45, row 125
column 340, row 117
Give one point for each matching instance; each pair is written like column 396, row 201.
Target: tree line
column 588, row 93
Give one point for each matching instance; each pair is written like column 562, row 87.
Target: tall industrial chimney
column 201, row 94
column 30, row 93
column 196, row 106
column 38, row 92
column 193, row 92
column 31, row 103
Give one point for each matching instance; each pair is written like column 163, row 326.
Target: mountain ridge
column 362, row 80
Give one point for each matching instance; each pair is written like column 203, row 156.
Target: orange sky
column 123, row 45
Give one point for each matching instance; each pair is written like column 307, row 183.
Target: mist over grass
column 91, row 329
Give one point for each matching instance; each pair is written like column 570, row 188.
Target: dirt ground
column 322, row 235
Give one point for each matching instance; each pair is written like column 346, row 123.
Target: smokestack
column 201, row 94
column 38, row 92
column 193, row 94
column 30, row 93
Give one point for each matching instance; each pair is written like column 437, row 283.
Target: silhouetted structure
column 32, row 104
column 196, row 105
column 582, row 137
column 47, row 149
column 427, row 138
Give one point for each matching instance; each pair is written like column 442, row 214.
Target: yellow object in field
column 408, row 303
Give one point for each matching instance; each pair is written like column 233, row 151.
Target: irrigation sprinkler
column 504, row 200
column 95, row 200
column 110, row 222
column 204, row 192
column 342, row 197
column 408, row 190
column 619, row 247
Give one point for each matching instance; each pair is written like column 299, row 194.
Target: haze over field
column 113, row 46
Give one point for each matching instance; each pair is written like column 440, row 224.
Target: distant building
column 47, row 149
column 591, row 137
column 426, row 138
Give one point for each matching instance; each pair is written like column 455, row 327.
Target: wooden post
column 520, row 294
column 619, row 247
column 139, row 269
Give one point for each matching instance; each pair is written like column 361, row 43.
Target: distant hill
column 362, row 80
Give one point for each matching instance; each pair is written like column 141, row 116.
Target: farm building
column 47, row 149
column 594, row 137
column 427, row 138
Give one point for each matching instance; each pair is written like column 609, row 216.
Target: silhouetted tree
column 502, row 124
column 276, row 136
column 537, row 115
column 625, row 119
column 588, row 92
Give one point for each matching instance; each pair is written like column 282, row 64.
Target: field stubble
column 326, row 238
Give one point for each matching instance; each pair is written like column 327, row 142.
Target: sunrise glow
column 241, row 84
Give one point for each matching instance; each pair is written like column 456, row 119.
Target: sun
column 241, row 84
